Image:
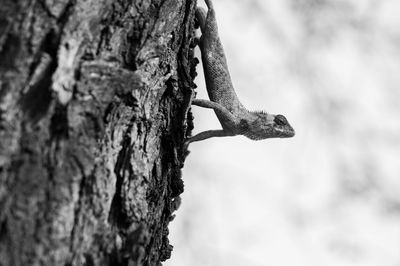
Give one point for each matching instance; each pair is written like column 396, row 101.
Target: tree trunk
column 94, row 97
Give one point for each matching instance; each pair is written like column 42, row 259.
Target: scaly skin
column 233, row 116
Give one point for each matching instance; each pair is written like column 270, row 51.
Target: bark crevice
column 94, row 111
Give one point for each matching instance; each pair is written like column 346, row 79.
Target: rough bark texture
column 94, row 97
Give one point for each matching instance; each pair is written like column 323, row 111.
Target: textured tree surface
column 94, row 97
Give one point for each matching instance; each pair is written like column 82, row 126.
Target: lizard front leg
column 209, row 134
column 227, row 120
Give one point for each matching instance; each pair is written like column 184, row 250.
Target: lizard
column 234, row 118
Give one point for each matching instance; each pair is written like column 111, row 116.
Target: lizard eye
column 280, row 120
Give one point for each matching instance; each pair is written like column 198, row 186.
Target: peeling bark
column 94, row 100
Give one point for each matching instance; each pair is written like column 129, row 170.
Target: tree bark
column 94, row 100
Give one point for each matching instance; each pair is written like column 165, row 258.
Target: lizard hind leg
column 201, row 16
column 209, row 4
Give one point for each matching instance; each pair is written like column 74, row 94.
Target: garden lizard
column 233, row 116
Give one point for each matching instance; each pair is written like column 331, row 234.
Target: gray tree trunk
column 94, row 97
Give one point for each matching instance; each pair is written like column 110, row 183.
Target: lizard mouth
column 286, row 132
column 291, row 133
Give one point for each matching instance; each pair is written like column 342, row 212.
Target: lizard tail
column 201, row 16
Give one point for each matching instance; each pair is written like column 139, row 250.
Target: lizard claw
column 186, row 143
column 194, row 42
column 186, row 147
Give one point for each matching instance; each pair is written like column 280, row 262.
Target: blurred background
column 328, row 196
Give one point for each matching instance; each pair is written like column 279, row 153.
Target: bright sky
column 330, row 195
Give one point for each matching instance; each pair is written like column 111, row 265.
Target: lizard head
column 267, row 125
column 282, row 128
